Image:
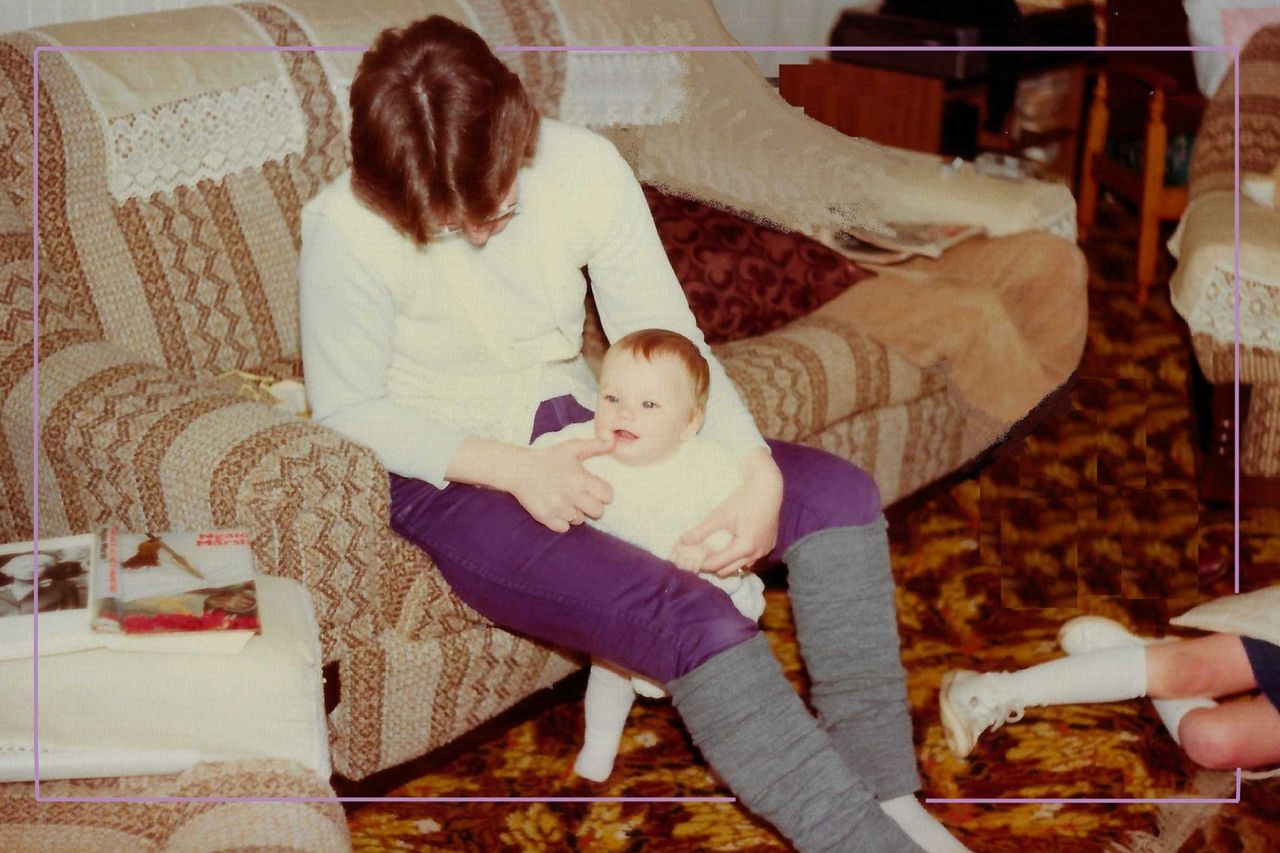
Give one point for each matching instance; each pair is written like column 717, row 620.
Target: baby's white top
column 654, row 505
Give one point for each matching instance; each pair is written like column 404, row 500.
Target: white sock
column 1170, row 711
column 1109, row 675
column 605, row 708
column 648, row 688
column 923, row 828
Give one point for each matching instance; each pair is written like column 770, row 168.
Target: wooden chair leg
column 1087, row 209
column 1148, row 251
column 1217, row 464
column 1152, row 192
column 1095, row 143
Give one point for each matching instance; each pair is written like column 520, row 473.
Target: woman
column 442, row 316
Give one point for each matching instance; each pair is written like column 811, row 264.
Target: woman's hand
column 749, row 514
column 554, row 487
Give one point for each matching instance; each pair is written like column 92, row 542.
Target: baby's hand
column 688, row 557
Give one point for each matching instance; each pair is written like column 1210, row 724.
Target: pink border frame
column 1235, row 53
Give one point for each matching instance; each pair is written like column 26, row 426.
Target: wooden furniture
column 888, row 106
column 937, row 116
column 1145, row 99
column 1145, row 187
column 1217, row 480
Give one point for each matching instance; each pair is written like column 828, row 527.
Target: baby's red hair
column 648, row 343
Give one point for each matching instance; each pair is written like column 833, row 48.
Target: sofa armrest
column 817, row 370
column 124, row 442
column 205, row 815
column 1214, row 156
column 1203, row 285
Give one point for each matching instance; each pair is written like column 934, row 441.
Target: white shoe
column 1095, row 633
column 972, row 702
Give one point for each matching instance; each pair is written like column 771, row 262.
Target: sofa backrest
column 170, row 183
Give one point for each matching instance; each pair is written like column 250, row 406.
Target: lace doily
column 209, row 136
column 1214, row 312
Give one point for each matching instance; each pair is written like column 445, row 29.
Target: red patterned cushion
column 742, row 278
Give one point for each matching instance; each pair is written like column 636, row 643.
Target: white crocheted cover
column 1213, row 311
column 208, row 136
column 603, row 89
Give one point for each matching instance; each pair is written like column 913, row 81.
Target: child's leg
column 605, row 708
column 1234, row 734
column 973, row 702
column 1094, row 633
column 1238, row 734
column 1213, row 665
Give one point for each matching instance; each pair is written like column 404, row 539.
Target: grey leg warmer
column 841, row 593
column 754, row 730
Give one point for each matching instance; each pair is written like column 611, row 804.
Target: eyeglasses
column 504, row 213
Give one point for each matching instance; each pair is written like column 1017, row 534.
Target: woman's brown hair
column 439, row 127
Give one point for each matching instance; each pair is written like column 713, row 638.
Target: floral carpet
column 1094, row 511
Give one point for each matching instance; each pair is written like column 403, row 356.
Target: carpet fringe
column 1175, row 822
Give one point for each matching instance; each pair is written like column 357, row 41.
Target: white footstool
column 112, row 713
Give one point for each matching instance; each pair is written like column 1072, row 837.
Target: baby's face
column 649, row 408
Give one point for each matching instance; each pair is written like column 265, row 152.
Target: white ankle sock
column 923, row 827
column 1172, row 711
column 1109, row 675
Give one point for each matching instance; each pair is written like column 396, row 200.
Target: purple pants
column 588, row 591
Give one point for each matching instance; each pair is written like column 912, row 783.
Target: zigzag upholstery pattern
column 1213, row 158
column 141, row 301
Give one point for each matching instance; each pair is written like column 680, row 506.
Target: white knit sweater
column 409, row 350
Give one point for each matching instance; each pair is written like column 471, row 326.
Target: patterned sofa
column 80, row 821
column 1203, row 283
column 170, row 185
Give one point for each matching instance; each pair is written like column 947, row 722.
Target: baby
column 665, row 479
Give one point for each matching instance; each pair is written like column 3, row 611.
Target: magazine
column 129, row 592
column 172, row 582
column 906, row 240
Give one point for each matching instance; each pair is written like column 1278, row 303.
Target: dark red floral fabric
column 742, row 278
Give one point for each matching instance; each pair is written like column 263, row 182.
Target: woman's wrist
column 760, row 471
column 485, row 462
